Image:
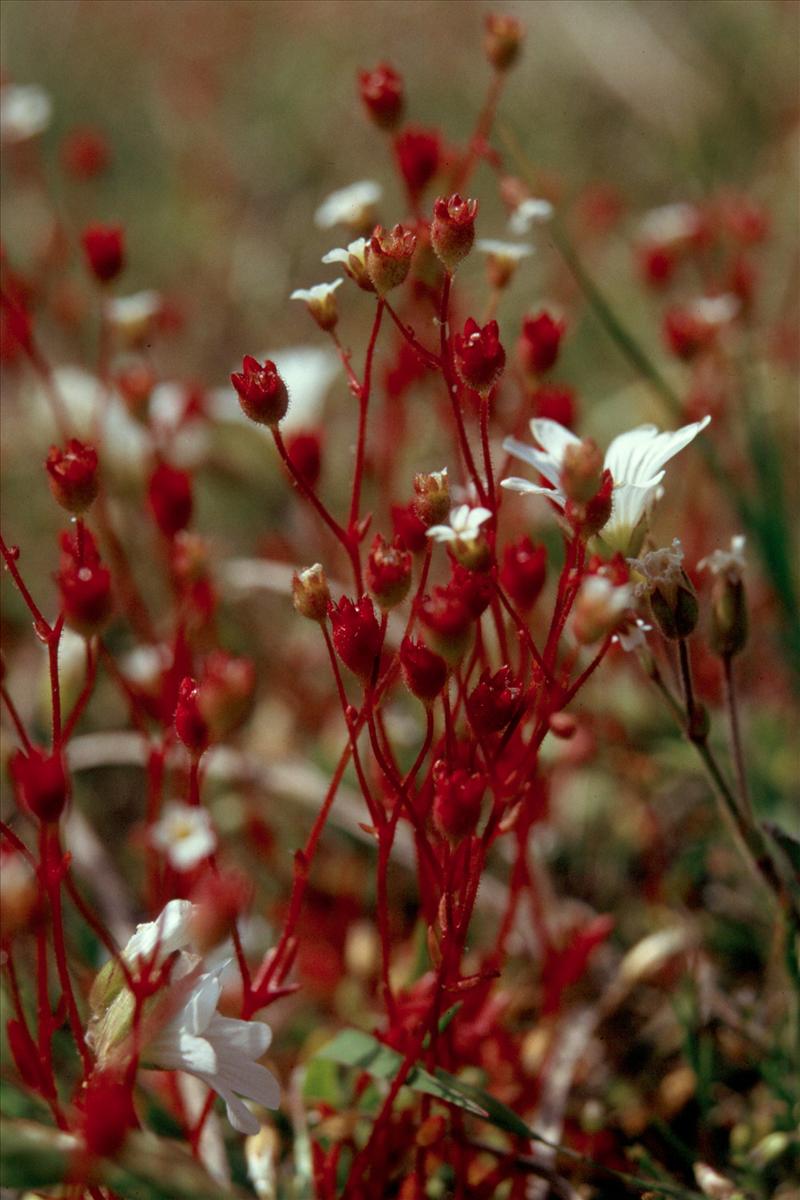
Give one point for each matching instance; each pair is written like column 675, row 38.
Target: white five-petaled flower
column 730, row 563
column 185, row 834
column 510, row 251
column 189, row 1034
column 635, row 459
column 317, row 294
column 352, row 205
column 533, row 211
column 465, row 525
column 221, row 1051
column 25, row 112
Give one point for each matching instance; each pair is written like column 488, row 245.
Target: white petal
column 229, row 1034
column 441, row 533
column 542, row 462
column 526, row 488
column 170, row 932
column 552, row 437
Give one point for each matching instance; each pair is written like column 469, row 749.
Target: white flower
column 511, row 251
column 132, row 316
column 465, row 525
column 670, row 224
column 714, row 310
column 600, row 607
column 636, row 460
column 307, row 371
column 185, row 834
column 169, row 932
column 351, row 206
column 192, row 1036
column 356, row 249
column 529, row 212
column 730, row 563
column 25, row 112
column 632, row 635
column 317, row 294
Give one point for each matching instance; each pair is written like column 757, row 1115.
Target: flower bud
column 523, row 572
column 457, row 801
column 104, row 247
column 310, row 593
column 409, row 528
column 418, row 153
column 502, row 40
column 388, row 572
column 169, row 495
column 305, row 454
column 381, row 92
column 356, row 634
column 432, row 497
column 453, row 229
column 84, row 584
column 674, row 608
column 225, row 694
column 494, row 701
column 729, row 621
column 73, row 475
column 557, row 402
column 589, row 518
column 448, row 620
column 581, row 470
column 424, row 671
column 41, row 781
column 190, row 725
column 539, row 343
column 388, row 257
column 480, row 358
column 262, row 392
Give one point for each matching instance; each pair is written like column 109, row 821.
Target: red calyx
column 73, row 475
column 104, row 247
column 388, row 571
column 424, row 671
column 356, row 634
column 108, row 1114
column 494, row 701
column 382, row 94
column 84, row 583
column 190, row 725
column 656, row 265
column 540, row 342
column 480, row 358
column 453, row 228
column 42, row 783
column 474, row 589
column 169, row 494
column 457, row 801
column 388, row 257
column 556, row 402
column 305, row 455
column 523, row 572
column 418, row 153
column 262, row 393
column 409, row 528
column 590, row 517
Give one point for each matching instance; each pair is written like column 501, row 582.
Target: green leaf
column 321, row 1083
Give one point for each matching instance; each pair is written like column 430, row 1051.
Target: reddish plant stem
column 53, row 885
column 584, row 675
column 428, row 357
column 363, row 408
column 53, row 642
column 42, row 626
column 451, row 383
column 16, row 719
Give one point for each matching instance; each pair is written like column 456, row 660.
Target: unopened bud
column 310, row 593
column 581, row 470
column 674, row 608
column 729, row 621
column 453, row 229
column 388, row 572
column 432, row 497
column 388, row 257
column 502, row 40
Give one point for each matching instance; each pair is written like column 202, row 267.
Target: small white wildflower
column 530, row 212
column 465, row 525
column 513, row 251
column 670, row 224
column 319, row 293
column 132, row 317
column 730, row 563
column 636, row 460
column 632, row 635
column 353, row 206
column 25, row 112
column 185, row 834
column 715, row 310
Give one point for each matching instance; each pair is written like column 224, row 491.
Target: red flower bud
column 409, row 528
column 381, row 92
column 356, row 634
column 418, row 152
column 474, row 589
column 73, row 475
column 556, row 402
column 225, row 693
column 84, row 584
column 656, row 264
column 685, row 334
column 305, row 455
column 169, row 494
column 104, row 247
column 262, row 392
column 539, row 342
column 388, row 257
column 190, row 725
column 502, row 40
column 41, row 782
column 494, row 701
column 480, row 358
column 388, row 572
column 457, row 801
column 448, row 620
column 453, row 229
column 425, row 673
column 84, row 153
column 523, row 572
column 108, row 1114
